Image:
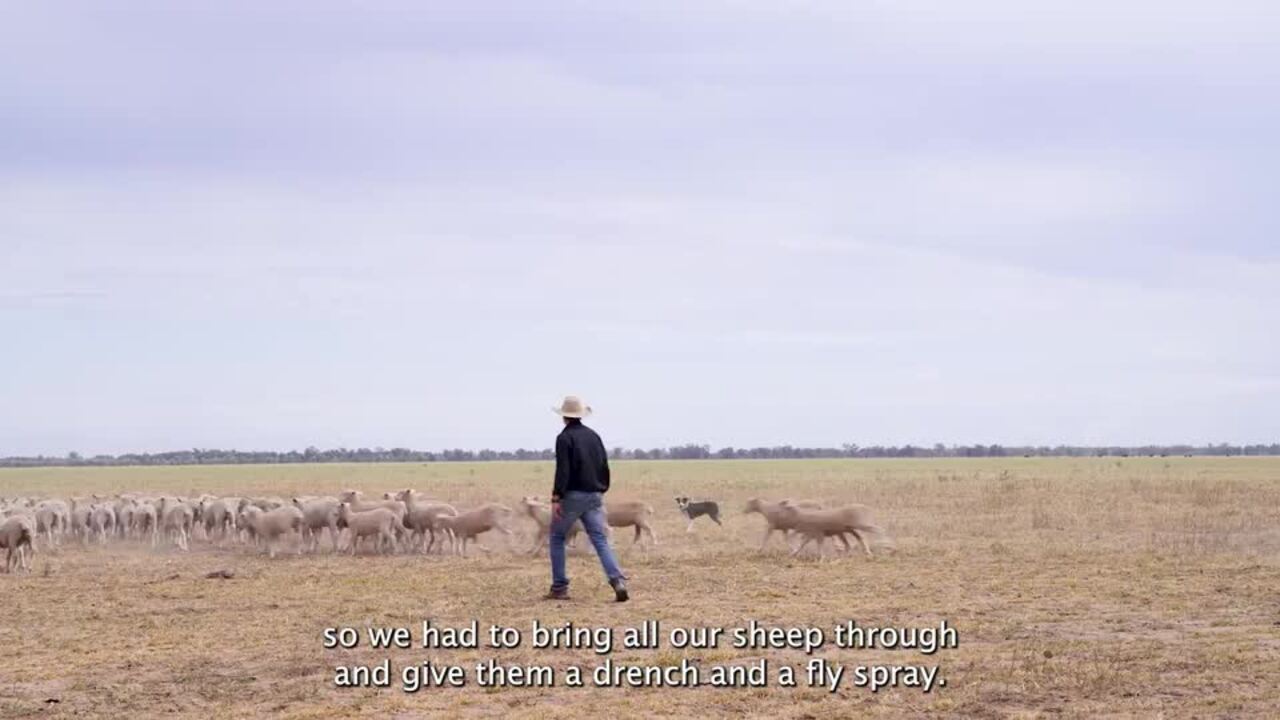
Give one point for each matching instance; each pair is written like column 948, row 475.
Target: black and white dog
column 695, row 510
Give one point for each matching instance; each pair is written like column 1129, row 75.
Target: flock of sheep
column 401, row 521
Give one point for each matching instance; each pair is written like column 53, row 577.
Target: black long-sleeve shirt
column 581, row 461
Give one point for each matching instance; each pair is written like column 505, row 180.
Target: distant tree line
column 199, row 456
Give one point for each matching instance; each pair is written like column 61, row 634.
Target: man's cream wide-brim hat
column 572, row 407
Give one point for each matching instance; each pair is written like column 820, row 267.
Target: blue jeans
column 589, row 508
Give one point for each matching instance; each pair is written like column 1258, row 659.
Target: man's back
column 582, row 464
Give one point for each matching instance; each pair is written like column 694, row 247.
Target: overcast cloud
column 273, row 225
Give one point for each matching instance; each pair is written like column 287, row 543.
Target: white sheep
column 631, row 513
column 80, row 512
column 218, row 514
column 52, row 518
column 102, row 521
column 146, row 522
column 269, row 526
column 423, row 518
column 17, row 535
column 175, row 519
column 467, row 525
column 820, row 524
column 378, row 522
column 353, row 498
column 540, row 512
column 318, row 514
column 776, row 519
column 125, row 509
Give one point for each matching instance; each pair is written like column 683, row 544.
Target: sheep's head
column 753, row 505
column 247, row 513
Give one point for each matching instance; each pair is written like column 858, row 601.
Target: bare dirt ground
column 1080, row 588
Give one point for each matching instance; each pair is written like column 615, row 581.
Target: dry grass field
column 1080, row 588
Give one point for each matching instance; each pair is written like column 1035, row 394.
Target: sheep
column 268, row 504
column 776, row 518
column 197, row 505
column 270, row 525
column 123, row 506
column 540, row 512
column 17, row 535
column 377, row 522
column 466, row 526
column 352, row 498
column 318, row 514
column 423, row 518
column 80, row 512
column 359, row 505
column 146, row 522
column 52, row 517
column 102, row 521
column 819, row 524
column 125, row 510
column 617, row 515
column 218, row 514
column 176, row 518
column 631, row 513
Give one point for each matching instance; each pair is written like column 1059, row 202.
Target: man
column 582, row 479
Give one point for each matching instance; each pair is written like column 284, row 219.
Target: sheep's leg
column 689, row 528
column 768, row 533
column 800, row 547
column 863, row 541
column 509, row 537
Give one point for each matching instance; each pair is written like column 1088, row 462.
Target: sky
column 273, row 225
